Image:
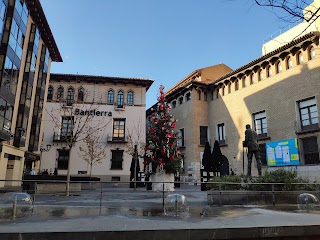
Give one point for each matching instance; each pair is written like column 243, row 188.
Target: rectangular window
column 310, row 150
column 262, row 152
column 308, row 112
column 118, row 129
column 203, row 135
column 221, row 134
column 117, row 159
column 67, row 127
column 63, row 159
column 180, row 141
column 260, row 124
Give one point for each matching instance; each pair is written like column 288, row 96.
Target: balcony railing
column 61, row 137
column 308, row 125
column 113, row 139
column 119, row 106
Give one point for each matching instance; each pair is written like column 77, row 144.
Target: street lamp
column 48, row 147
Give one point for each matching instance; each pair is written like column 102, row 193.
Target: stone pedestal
column 160, row 178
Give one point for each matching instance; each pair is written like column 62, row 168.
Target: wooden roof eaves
column 286, row 48
column 101, row 79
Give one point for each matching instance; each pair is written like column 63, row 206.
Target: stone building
column 115, row 102
column 27, row 49
column 277, row 93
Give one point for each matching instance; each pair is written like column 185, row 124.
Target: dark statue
column 251, row 141
column 220, row 162
column 207, row 159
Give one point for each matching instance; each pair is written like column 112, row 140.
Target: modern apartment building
column 116, row 103
column 277, row 93
column 26, row 52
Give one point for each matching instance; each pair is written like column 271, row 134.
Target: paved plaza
column 125, row 210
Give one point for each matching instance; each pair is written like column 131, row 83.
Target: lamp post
column 48, row 147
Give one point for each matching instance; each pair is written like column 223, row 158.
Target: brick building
column 277, row 93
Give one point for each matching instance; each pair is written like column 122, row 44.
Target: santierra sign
column 92, row 112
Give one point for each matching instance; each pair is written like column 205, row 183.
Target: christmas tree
column 161, row 151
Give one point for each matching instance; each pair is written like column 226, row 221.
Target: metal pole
column 242, row 159
column 163, row 195
column 14, row 207
column 135, row 166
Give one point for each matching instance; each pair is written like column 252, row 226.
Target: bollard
column 100, row 195
column 273, row 196
column 14, row 207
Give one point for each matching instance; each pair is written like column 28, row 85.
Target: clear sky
column 163, row 40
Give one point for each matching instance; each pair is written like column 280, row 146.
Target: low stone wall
column 255, row 198
column 43, row 188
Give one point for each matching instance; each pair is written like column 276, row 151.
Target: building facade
column 116, row 107
column 26, row 52
column 278, row 94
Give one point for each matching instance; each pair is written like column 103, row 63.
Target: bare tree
column 76, row 122
column 94, row 150
column 293, row 9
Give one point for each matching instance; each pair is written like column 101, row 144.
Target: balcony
column 58, row 137
column 119, row 107
column 308, row 125
column 112, row 139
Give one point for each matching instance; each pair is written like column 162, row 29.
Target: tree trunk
column 68, row 174
column 90, row 170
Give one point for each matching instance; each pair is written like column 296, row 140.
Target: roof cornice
column 260, row 60
column 100, row 79
column 39, row 18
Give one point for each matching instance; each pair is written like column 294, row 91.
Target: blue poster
column 282, row 153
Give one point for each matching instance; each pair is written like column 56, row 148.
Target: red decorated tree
column 161, row 151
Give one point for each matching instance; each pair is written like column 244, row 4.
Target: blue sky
column 163, row 40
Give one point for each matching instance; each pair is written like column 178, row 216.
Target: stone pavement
column 231, row 222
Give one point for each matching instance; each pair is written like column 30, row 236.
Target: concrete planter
column 160, row 178
column 249, row 197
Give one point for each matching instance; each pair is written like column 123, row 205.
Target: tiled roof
column 40, row 20
column 207, row 74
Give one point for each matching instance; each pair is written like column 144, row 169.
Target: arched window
column 312, row 53
column 278, row 67
column 229, row 87
column 300, row 58
column 60, row 92
column 130, row 98
column 289, row 63
column 236, row 85
column 260, row 75
column 174, row 104
column 50, row 94
column 244, row 82
column 205, row 96
column 70, row 96
column 217, row 92
column 188, row 97
column 199, row 95
column 222, row 90
column 120, row 99
column 269, row 71
column 180, row 100
column 81, row 95
column 252, row 79
column 110, row 97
